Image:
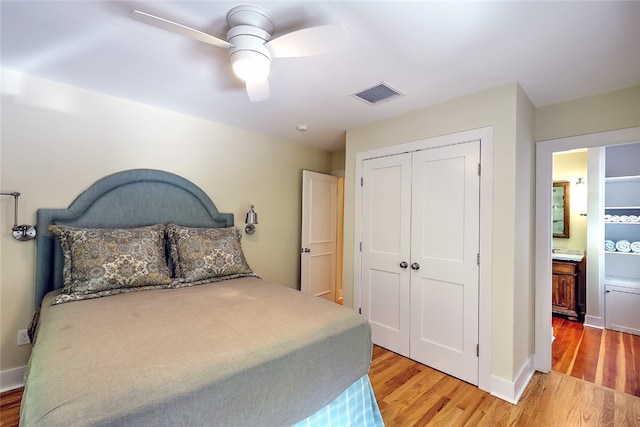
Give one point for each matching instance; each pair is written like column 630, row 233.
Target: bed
column 169, row 331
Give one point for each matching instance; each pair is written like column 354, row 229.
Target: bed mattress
column 234, row 353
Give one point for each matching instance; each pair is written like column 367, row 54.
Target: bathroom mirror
column 560, row 209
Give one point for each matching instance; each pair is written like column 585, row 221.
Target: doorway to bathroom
column 592, row 353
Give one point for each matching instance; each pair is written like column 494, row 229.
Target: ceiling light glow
column 250, row 65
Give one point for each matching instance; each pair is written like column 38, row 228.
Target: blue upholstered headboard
column 125, row 199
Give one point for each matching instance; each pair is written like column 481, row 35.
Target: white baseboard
column 12, row 378
column 512, row 391
column 594, row 321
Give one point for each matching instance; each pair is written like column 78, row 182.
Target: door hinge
column 477, row 350
column 478, row 258
column 361, row 182
column 360, row 246
column 359, row 310
column 479, row 167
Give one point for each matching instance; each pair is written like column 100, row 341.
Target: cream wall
column 569, row 166
column 337, row 162
column 513, row 168
column 593, row 114
column 524, row 235
column 57, row 140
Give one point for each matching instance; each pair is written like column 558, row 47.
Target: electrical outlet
column 23, row 337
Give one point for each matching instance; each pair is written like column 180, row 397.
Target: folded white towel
column 609, row 246
column 635, row 247
column 623, row 246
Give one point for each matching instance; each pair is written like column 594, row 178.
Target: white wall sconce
column 581, row 195
column 251, row 221
column 20, row 232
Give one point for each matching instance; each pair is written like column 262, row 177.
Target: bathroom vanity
column 568, row 286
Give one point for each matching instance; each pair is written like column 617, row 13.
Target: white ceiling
column 429, row 51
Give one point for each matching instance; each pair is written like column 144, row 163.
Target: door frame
column 485, row 273
column 544, row 241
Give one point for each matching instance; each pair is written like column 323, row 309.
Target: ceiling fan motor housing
column 251, row 15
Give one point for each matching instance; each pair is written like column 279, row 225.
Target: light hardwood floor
column 411, row 394
column 603, row 357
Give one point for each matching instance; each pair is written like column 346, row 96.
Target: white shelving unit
column 622, row 269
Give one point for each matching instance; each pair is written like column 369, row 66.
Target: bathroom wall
column 569, row 166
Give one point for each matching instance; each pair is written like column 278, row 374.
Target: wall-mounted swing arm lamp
column 20, row 232
column 581, row 182
column 251, row 221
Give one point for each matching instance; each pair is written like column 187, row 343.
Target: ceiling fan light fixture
column 250, row 66
column 250, row 44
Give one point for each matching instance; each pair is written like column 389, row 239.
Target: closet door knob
column 415, row 266
column 404, row 264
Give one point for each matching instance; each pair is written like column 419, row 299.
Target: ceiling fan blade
column 309, row 41
column 178, row 28
column 258, row 90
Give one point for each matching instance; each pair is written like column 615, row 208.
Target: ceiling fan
column 250, row 44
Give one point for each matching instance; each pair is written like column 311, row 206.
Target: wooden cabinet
column 565, row 289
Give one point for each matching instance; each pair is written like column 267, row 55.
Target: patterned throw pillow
column 109, row 261
column 206, row 254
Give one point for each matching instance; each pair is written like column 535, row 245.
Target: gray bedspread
column 243, row 352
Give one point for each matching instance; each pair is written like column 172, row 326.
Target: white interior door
column 319, row 235
column 386, row 222
column 444, row 259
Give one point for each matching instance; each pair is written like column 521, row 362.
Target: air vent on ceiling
column 377, row 94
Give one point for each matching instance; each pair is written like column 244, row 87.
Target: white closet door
column 386, row 222
column 319, row 215
column 444, row 250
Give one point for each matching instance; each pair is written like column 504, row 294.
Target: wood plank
column 586, row 361
column 10, row 407
column 566, row 344
column 635, row 349
column 633, row 378
column 609, row 362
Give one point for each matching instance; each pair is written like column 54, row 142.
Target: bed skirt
column 356, row 406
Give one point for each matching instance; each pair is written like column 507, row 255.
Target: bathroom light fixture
column 251, row 221
column 20, row 232
column 582, row 195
